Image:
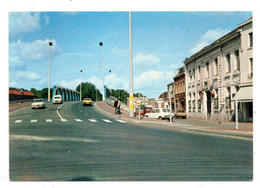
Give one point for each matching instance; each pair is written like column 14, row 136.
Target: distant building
column 18, row 94
column 171, row 94
column 180, row 90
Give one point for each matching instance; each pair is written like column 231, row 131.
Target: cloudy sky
column 161, row 42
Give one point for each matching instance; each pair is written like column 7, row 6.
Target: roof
column 16, row 92
column 245, row 94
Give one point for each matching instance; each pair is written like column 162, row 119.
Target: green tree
column 89, row 90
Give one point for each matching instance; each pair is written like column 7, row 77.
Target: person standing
column 118, row 106
column 115, row 105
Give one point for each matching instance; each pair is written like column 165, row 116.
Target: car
column 144, row 111
column 181, row 113
column 57, row 99
column 87, row 101
column 38, row 103
column 160, row 113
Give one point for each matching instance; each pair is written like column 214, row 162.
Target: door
column 208, row 104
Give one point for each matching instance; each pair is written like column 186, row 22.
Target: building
column 20, row 95
column 170, row 88
column 215, row 73
column 180, row 90
column 244, row 96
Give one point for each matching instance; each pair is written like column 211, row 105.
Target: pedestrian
column 118, row 106
column 115, row 105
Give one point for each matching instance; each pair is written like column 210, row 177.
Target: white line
column 86, row 114
column 63, row 120
column 49, row 120
column 92, row 120
column 18, row 121
column 106, row 120
column 58, row 112
column 33, row 120
column 121, row 121
column 78, row 120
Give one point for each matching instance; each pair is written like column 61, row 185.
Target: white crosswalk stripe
column 106, row 120
column 33, row 121
column 78, row 120
column 92, row 120
column 63, row 120
column 121, row 121
column 18, row 121
column 48, row 120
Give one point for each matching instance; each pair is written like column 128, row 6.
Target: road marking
column 33, row 120
column 106, row 120
column 78, row 120
column 86, row 114
column 58, row 111
column 18, row 121
column 63, row 120
column 48, row 120
column 121, row 121
column 92, row 120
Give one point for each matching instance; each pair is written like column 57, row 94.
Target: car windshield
column 57, row 97
column 165, row 110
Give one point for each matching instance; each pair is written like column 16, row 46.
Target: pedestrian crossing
column 19, row 121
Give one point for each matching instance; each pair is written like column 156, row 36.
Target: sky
column 161, row 41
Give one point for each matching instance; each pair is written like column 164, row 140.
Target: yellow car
column 87, row 101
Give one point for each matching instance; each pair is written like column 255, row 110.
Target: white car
column 57, row 99
column 38, row 103
column 159, row 113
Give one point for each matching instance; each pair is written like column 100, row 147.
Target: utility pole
column 49, row 90
column 131, row 106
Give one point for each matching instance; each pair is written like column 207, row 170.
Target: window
column 250, row 39
column 193, row 75
column 216, row 66
column 251, row 65
column 228, row 62
column 198, row 72
column 237, row 60
column 207, row 70
column 190, row 76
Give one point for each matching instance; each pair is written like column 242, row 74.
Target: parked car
column 180, row 113
column 38, row 103
column 57, row 99
column 87, row 101
column 160, row 113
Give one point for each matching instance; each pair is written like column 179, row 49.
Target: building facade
column 180, row 90
column 214, row 76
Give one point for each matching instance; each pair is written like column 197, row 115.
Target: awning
column 245, row 94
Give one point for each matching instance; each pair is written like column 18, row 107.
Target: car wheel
column 160, row 118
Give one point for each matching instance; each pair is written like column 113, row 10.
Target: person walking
column 115, row 105
column 118, row 106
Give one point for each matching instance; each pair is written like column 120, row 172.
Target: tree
column 89, row 90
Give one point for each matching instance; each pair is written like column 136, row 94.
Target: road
column 71, row 142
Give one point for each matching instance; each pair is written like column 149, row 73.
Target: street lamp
column 80, row 86
column 101, row 44
column 131, row 97
column 49, row 91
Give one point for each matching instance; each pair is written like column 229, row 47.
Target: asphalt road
column 71, row 142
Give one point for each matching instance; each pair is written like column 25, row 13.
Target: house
column 180, row 90
column 18, row 94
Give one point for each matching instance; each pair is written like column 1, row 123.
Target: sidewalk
column 194, row 124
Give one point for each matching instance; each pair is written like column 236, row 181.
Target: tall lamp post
column 101, row 44
column 80, row 87
column 49, row 91
column 131, row 97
